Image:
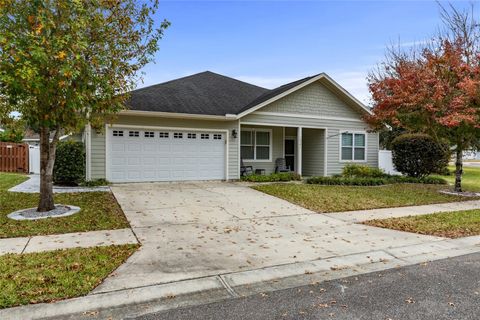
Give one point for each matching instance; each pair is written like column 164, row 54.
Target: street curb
column 239, row 284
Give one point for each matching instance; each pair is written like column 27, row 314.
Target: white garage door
column 165, row 155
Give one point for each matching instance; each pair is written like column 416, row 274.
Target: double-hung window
column 256, row 144
column 353, row 146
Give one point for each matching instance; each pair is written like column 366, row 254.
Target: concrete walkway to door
column 195, row 230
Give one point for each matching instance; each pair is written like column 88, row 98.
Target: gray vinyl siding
column 314, row 99
column 99, row 147
column 98, row 155
column 334, row 165
column 277, row 149
column 316, row 104
column 313, row 155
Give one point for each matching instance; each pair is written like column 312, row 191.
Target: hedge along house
column 202, row 127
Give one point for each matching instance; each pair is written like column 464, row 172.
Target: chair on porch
column 245, row 170
column 281, row 165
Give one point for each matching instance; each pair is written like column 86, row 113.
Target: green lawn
column 54, row 275
column 99, row 211
column 321, row 198
column 447, row 224
column 470, row 179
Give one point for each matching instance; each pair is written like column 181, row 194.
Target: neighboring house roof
column 204, row 93
column 212, row 94
column 31, row 135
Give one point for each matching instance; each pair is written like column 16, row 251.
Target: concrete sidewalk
column 32, row 185
column 67, row 241
column 385, row 213
column 144, row 300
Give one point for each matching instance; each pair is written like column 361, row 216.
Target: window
column 177, row 135
column 133, row 133
column 353, row 146
column 163, row 135
column 192, row 136
column 149, row 134
column 204, row 136
column 117, row 133
column 255, row 145
column 217, row 137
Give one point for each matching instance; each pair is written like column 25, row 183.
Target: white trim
column 305, row 116
column 88, row 152
column 283, row 134
column 226, row 117
column 299, row 155
column 37, row 139
column 239, row 132
column 270, row 147
column 107, row 153
column 303, row 84
column 227, row 137
column 266, row 124
column 325, row 164
column 353, row 146
column 226, row 131
column 118, row 125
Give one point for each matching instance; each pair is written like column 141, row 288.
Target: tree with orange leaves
column 434, row 89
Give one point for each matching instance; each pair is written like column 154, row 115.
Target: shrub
column 418, row 155
column 373, row 181
column 274, row 177
column 95, row 183
column 69, row 166
column 357, row 170
column 348, row 181
column 424, row 180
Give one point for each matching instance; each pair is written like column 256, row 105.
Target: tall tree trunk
column 47, row 160
column 458, row 169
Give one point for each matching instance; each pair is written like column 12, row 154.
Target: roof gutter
column 226, row 117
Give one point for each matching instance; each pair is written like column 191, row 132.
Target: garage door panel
column 135, row 146
column 117, row 161
column 155, row 155
column 134, row 161
column 148, row 161
column 118, row 147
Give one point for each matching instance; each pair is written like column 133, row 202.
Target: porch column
column 299, row 150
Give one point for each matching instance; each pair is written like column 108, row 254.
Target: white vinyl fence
column 385, row 162
column 34, row 159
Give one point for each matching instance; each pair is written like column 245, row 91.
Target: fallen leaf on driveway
column 410, row 300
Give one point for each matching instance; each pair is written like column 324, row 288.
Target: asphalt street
column 445, row 289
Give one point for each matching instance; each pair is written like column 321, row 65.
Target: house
column 32, row 138
column 471, row 155
column 202, row 126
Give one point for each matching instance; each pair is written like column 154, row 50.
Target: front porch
column 302, row 148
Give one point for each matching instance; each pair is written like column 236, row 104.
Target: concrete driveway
column 192, row 230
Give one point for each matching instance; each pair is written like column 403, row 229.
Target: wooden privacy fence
column 13, row 157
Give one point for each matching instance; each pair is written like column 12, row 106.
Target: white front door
column 136, row 155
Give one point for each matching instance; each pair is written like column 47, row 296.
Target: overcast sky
column 270, row 43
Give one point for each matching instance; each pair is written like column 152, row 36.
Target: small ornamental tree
column 434, row 89
column 65, row 64
column 418, row 155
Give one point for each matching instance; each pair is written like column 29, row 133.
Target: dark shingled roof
column 205, row 93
